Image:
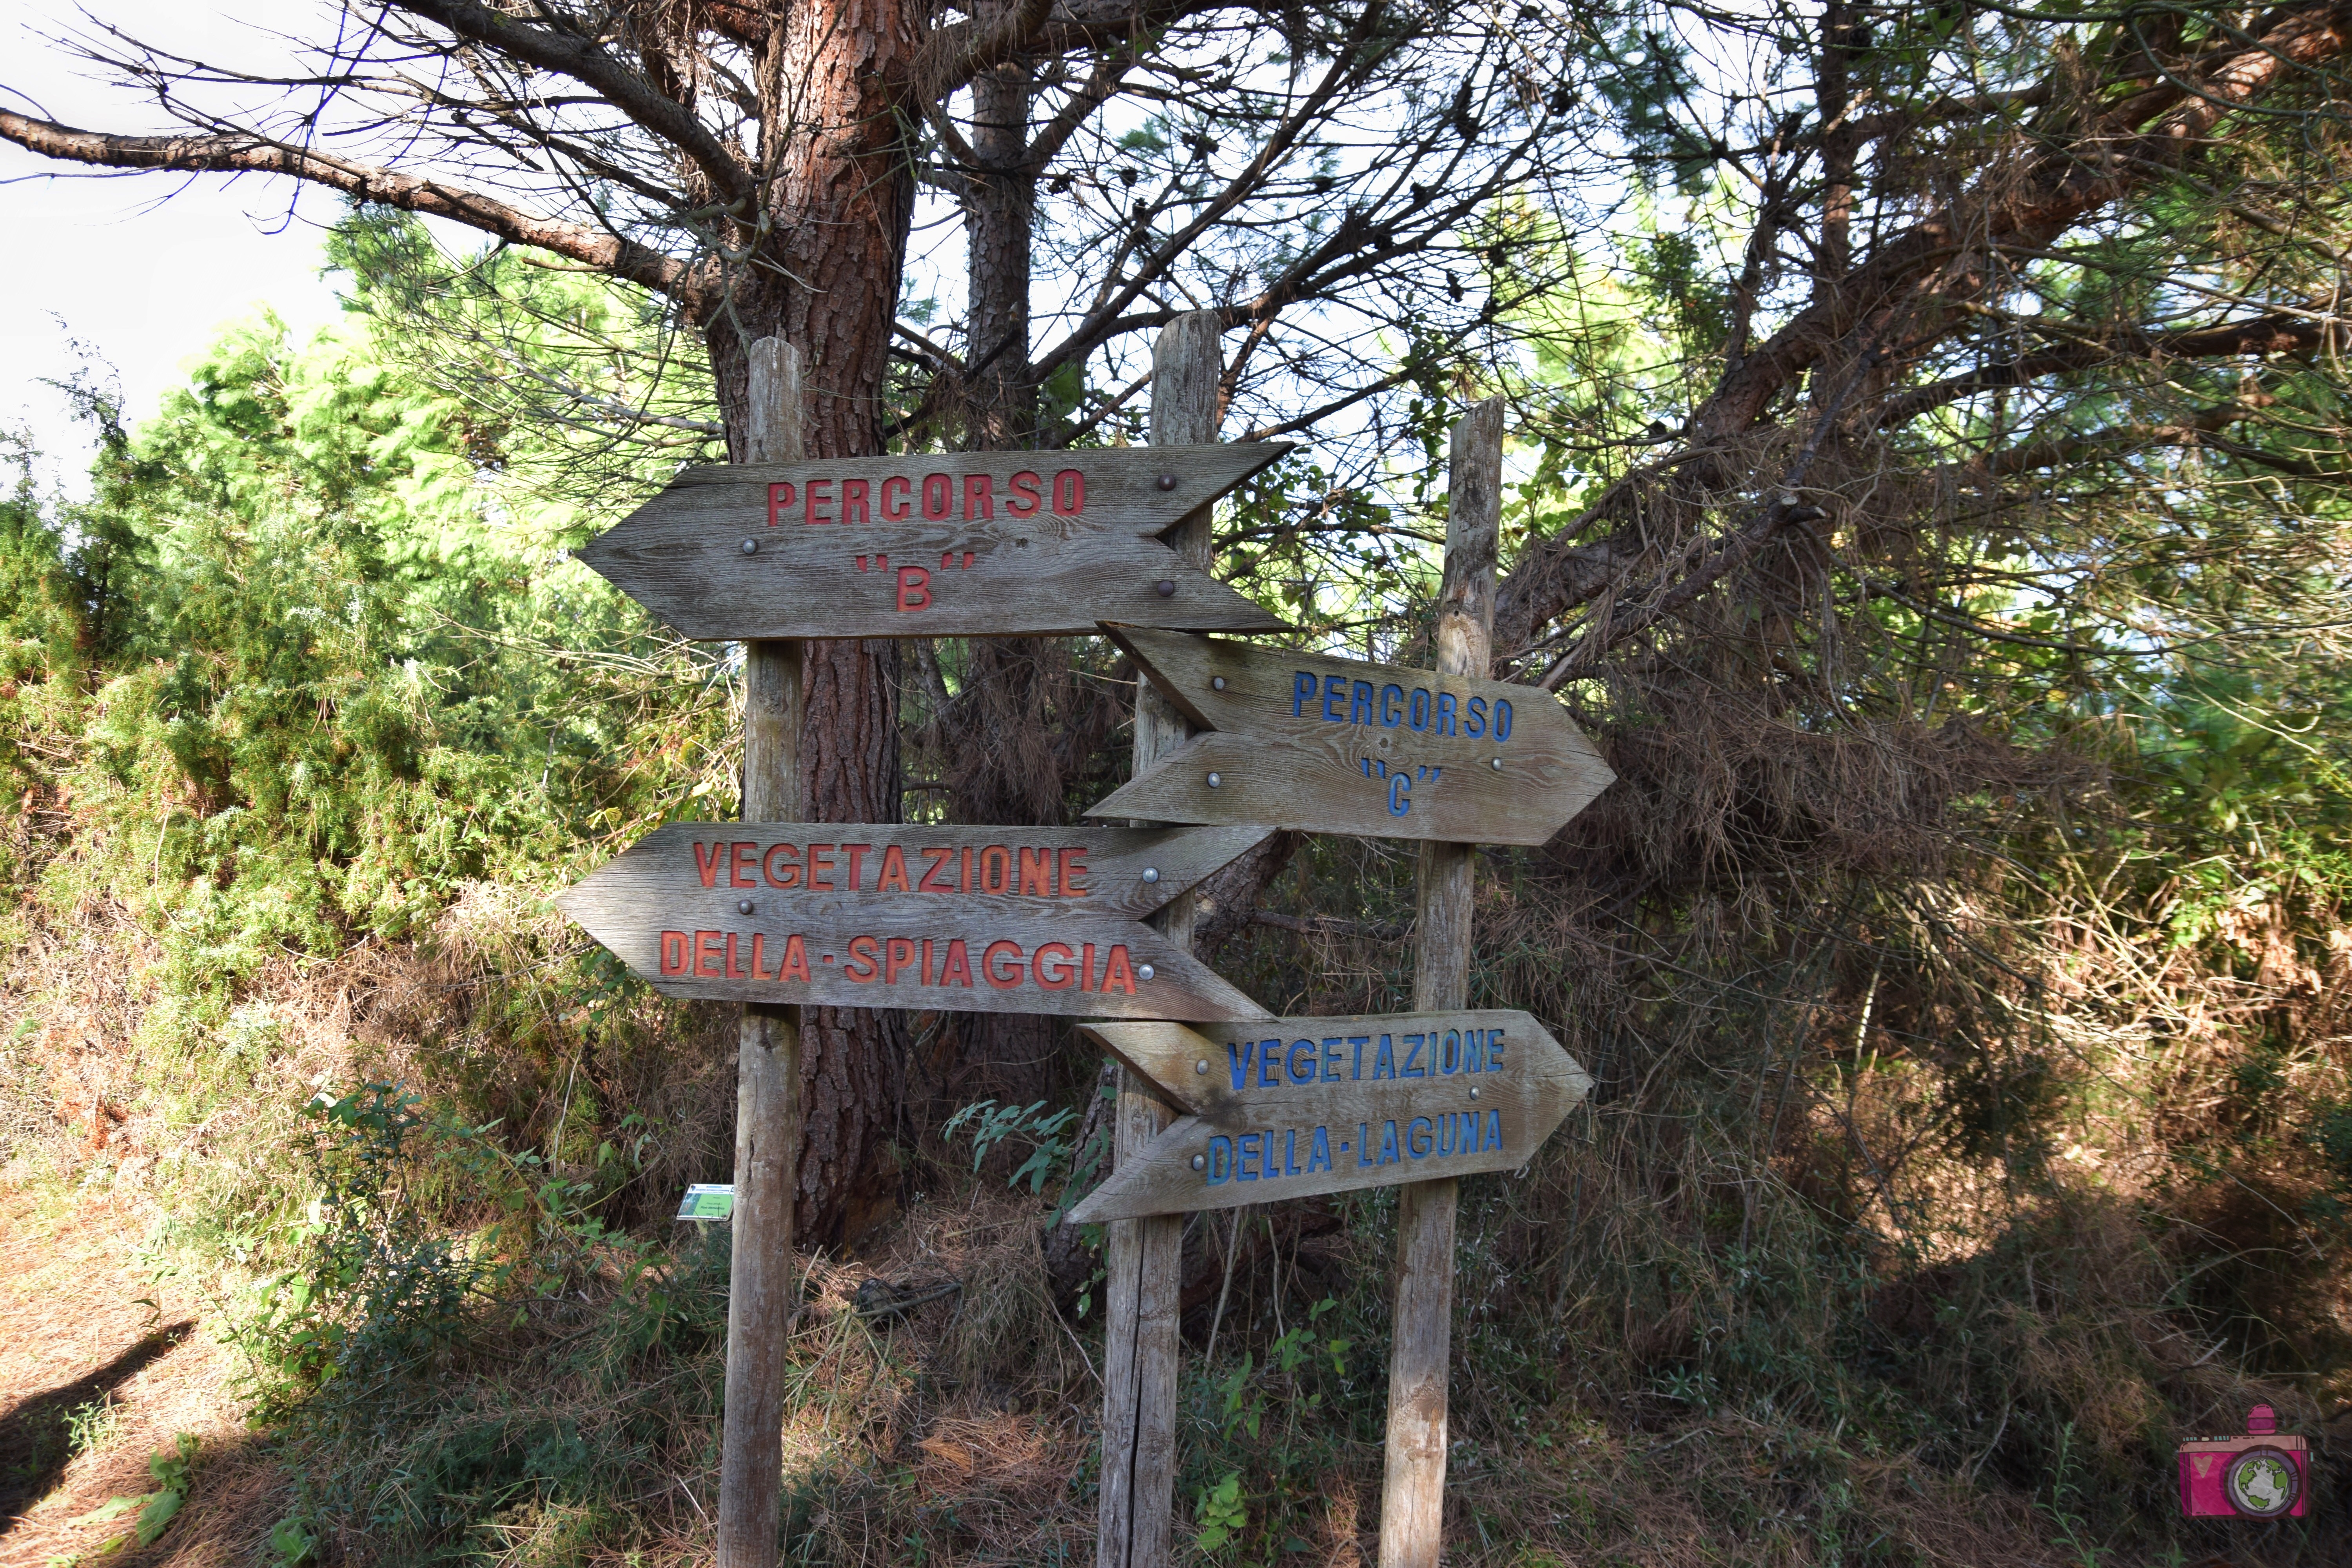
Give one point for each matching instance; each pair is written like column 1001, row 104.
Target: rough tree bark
column 841, row 192
column 1000, row 735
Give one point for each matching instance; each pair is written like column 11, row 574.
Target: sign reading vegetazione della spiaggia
column 962, row 544
column 1010, row 920
column 1287, row 1108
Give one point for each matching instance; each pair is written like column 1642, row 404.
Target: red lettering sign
column 1058, row 954
column 864, row 955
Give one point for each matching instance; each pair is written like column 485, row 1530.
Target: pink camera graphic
column 2262, row 1475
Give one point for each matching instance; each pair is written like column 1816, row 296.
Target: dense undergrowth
column 1926, row 1200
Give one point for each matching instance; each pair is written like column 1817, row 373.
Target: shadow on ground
column 34, row 1438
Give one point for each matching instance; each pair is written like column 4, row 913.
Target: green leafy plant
column 1221, row 1512
column 92, row 1426
column 172, row 1471
column 992, row 1125
column 292, row 1542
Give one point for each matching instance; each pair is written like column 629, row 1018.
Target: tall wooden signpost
column 1231, row 742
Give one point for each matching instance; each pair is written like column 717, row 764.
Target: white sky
column 142, row 280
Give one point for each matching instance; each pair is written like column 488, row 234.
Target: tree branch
column 239, row 153
column 584, row 61
column 2031, row 198
column 2267, row 334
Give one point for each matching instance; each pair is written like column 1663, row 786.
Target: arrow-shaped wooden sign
column 950, row 544
column 1287, row 1108
column 1335, row 746
column 986, row 920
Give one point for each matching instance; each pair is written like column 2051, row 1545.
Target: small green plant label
column 708, row 1201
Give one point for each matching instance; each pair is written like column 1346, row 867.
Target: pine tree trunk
column 1005, row 772
column 840, row 196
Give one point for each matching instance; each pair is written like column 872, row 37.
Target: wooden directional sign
column 1287, row 1108
column 953, row 545
column 987, row 920
column 1334, row 745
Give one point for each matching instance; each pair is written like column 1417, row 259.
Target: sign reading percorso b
column 984, row 544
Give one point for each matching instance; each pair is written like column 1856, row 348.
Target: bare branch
column 245, row 153
column 584, row 61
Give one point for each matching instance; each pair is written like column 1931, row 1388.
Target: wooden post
column 762, row 1283
column 1413, row 1500
column 1141, row 1257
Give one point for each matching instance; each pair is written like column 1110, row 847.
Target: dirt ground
column 101, row 1367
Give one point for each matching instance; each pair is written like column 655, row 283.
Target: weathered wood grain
column 763, row 1291
column 1142, row 1258
column 988, row 573
column 1412, row 1491
column 1386, row 768
column 672, row 907
column 1334, row 1105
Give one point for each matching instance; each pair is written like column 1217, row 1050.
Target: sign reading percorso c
column 1336, row 745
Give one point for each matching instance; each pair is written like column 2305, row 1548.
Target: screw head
column 1166, row 587
column 1473, row 1091
column 1216, row 683
column 742, row 906
column 1216, row 780
column 1202, row 1066
column 1167, row 482
column 1200, row 1162
column 1498, row 764
column 1143, row 972
column 751, row 547
column 1152, row 873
